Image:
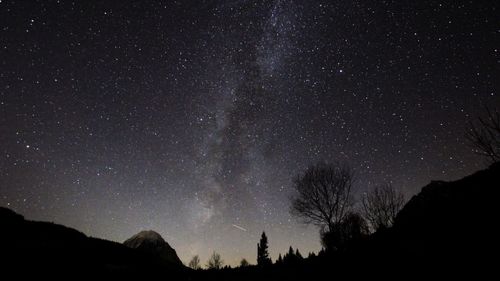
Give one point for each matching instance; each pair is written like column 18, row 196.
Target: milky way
column 193, row 117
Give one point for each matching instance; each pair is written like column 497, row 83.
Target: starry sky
column 192, row 118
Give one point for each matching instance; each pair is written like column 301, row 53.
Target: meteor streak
column 239, row 227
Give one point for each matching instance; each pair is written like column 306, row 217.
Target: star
column 195, row 119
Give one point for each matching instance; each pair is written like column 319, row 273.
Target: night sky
column 192, row 118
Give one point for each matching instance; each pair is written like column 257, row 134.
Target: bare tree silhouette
column 215, row 261
column 381, row 205
column 484, row 135
column 195, row 263
column 323, row 195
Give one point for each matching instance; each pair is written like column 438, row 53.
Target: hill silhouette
column 445, row 231
column 31, row 248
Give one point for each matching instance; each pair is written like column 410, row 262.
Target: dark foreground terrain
column 447, row 231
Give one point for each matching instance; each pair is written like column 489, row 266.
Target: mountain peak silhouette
column 151, row 242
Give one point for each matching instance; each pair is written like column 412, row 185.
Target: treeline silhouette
column 446, row 231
